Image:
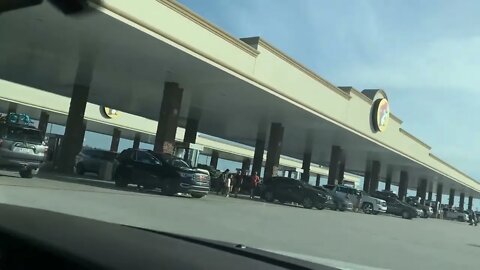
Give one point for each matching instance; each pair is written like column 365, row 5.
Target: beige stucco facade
column 262, row 65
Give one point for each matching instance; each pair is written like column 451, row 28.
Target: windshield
column 175, row 162
column 371, row 102
column 21, row 134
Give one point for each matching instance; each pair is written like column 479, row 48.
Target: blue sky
column 425, row 54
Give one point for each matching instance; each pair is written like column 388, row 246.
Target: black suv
column 286, row 189
column 152, row 170
column 394, row 205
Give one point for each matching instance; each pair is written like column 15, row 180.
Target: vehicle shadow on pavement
column 91, row 180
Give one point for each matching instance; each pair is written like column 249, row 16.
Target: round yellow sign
column 108, row 112
column 381, row 114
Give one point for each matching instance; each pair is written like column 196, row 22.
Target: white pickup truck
column 369, row 204
column 454, row 214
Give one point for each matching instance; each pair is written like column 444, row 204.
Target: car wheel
column 367, row 208
column 167, row 188
column 307, row 202
column 27, row 173
column 320, row 206
column 425, row 214
column 269, row 197
column 376, row 212
column 80, row 169
column 120, row 181
column 406, row 215
column 197, row 195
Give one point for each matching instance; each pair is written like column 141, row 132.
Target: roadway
column 345, row 239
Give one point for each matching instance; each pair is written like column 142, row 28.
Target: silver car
column 22, row 149
column 92, row 160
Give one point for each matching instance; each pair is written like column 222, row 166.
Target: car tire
column 27, row 173
column 406, row 215
column 461, row 219
column 425, row 214
column 168, row 188
column 320, row 206
column 367, row 208
column 269, row 196
column 307, row 203
column 376, row 212
column 120, row 181
column 197, row 196
column 80, row 169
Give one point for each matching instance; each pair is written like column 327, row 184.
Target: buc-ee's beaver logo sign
column 380, row 114
column 108, row 112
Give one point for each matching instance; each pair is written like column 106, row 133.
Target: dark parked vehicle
column 22, row 148
column 395, row 206
column 152, row 170
column 427, row 211
column 92, row 160
column 338, row 201
column 286, row 189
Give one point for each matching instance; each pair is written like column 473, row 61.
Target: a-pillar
column 375, row 176
column 214, row 159
column 461, row 203
column 366, row 180
column 317, row 181
column 75, row 127
column 167, row 121
column 430, row 195
column 43, row 122
column 12, row 108
column 136, row 140
column 439, row 193
column 190, row 135
column 403, row 185
column 421, row 190
column 388, row 180
column 307, row 159
column 115, row 139
column 470, row 203
column 334, row 166
column 274, row 150
column 258, row 155
column 245, row 165
column 451, row 197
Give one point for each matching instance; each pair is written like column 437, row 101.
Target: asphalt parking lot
column 347, row 239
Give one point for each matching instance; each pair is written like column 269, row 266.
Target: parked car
column 286, row 189
column 22, row 148
column 395, row 206
column 414, row 201
column 92, row 160
column 152, row 170
column 369, row 204
column 454, row 214
column 338, row 202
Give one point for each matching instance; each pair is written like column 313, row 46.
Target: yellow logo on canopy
column 108, row 112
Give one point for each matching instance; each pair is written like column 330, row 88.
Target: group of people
column 234, row 183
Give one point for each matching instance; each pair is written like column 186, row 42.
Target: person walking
column 254, row 180
column 238, row 181
column 472, row 217
column 228, row 184
column 221, row 183
column 358, row 201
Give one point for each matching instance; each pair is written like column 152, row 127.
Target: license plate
column 23, row 150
